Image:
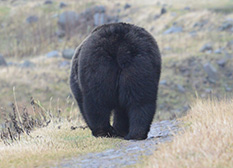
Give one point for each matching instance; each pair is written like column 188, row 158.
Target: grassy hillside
column 183, row 73
column 196, row 42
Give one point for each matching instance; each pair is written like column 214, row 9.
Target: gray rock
column 99, row 19
column 173, row 29
column 68, row 53
column 100, row 9
column 208, row 52
column 228, row 56
column 227, row 88
column 113, row 19
column 156, row 17
column 193, row 33
column 48, row 2
column 27, row 64
column 230, row 44
column 10, row 63
column 206, row 47
column 61, row 33
column 218, row 51
column 226, row 26
column 2, row 61
column 94, row 15
column 64, row 64
column 53, row 54
column 211, row 72
column 167, row 48
column 173, row 14
column 163, row 11
column 200, row 24
column 32, row 19
column 187, row 8
column 95, row 9
column 222, row 62
column 68, row 20
column 127, row 6
column 180, row 88
column 208, row 90
column 62, row 5
column 163, row 82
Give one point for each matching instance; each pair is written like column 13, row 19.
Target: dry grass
column 48, row 145
column 20, row 39
column 35, row 136
column 207, row 140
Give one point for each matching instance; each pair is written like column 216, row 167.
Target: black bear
column 117, row 68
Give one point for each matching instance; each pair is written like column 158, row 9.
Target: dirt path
column 127, row 153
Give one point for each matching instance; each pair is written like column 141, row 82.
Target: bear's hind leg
column 140, row 118
column 98, row 117
column 121, row 122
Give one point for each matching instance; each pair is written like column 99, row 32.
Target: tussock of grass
column 207, row 140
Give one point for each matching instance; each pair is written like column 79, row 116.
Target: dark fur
column 117, row 67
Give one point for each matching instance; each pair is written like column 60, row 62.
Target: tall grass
column 35, row 136
column 207, row 139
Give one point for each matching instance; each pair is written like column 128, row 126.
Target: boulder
column 227, row 88
column 68, row 53
column 226, row 26
column 163, row 82
column 222, row 62
column 53, row 54
column 32, row 19
column 187, row 8
column 27, row 64
column 64, row 64
column 180, row 88
column 127, row 6
column 206, row 47
column 60, row 33
column 218, row 51
column 62, row 5
column 230, row 44
column 68, row 20
column 99, row 19
column 48, row 2
column 163, row 11
column 211, row 72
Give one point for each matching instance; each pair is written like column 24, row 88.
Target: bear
column 116, row 69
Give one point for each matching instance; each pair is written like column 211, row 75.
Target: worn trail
column 129, row 152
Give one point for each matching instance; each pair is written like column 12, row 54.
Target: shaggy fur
column 117, row 68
